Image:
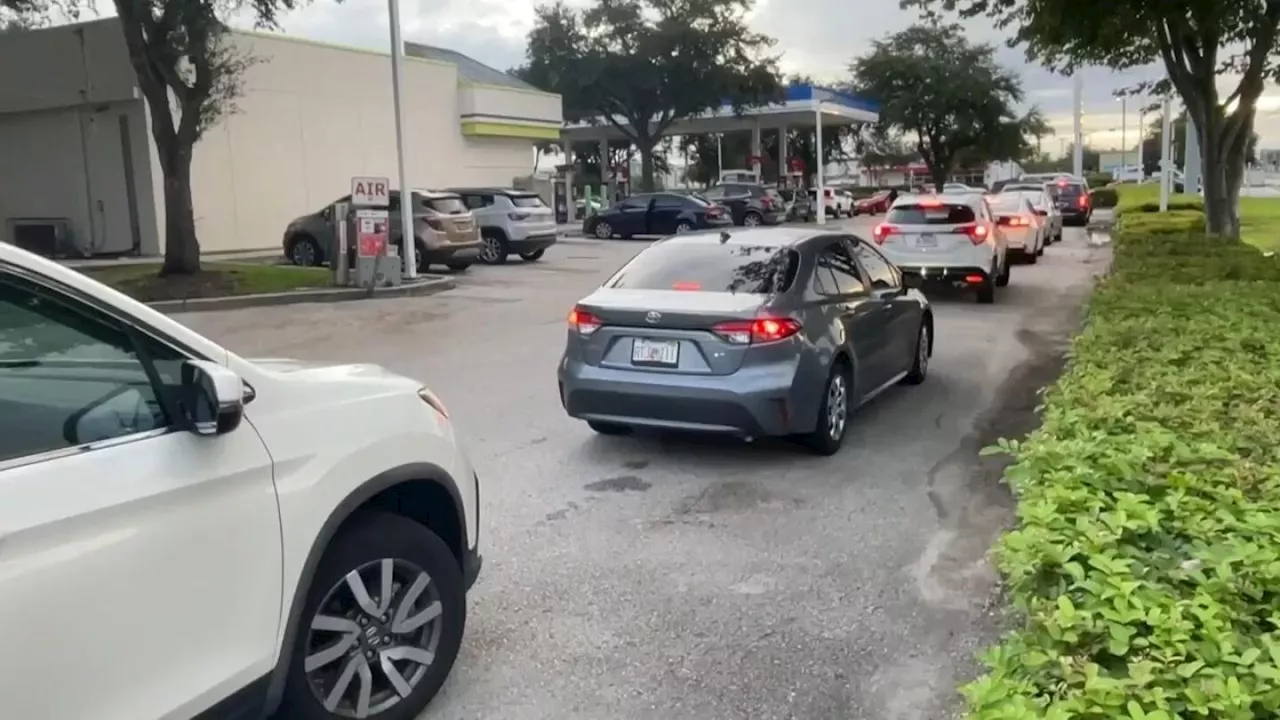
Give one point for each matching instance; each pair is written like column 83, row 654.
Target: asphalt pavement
column 666, row 578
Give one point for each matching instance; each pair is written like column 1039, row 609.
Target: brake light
column 766, row 202
column 882, row 232
column 435, row 224
column 583, row 322
column 690, row 286
column 758, row 331
column 977, row 233
column 1083, row 201
column 714, row 212
column 1017, row 221
column 517, row 216
column 930, row 203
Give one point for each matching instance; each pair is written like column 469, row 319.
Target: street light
column 408, row 245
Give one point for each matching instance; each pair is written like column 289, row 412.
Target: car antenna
column 724, row 236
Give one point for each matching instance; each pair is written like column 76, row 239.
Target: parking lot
column 670, row 577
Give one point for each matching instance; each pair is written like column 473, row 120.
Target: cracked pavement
column 660, row 577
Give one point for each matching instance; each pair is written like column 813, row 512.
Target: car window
column 879, row 270
column 714, row 193
column 527, row 201
column 70, row 375
column 476, row 202
column 931, row 214
column 709, row 267
column 835, row 273
column 640, row 202
column 445, row 204
column 1007, row 204
column 669, row 202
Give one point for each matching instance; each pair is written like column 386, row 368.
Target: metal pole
column 1077, row 102
column 1124, row 137
column 341, row 271
column 1166, row 147
column 819, row 194
column 719, row 155
column 408, row 246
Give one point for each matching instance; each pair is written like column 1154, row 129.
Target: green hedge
column 1104, row 197
column 1146, row 557
column 1098, row 179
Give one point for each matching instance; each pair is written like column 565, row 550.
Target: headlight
column 430, row 398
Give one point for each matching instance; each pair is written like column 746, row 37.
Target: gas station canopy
column 803, row 106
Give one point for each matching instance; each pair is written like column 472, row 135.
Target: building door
column 112, row 197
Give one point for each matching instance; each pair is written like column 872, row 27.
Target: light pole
column 1124, row 140
column 408, row 244
column 1077, row 103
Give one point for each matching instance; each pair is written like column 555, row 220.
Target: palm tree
column 1035, row 125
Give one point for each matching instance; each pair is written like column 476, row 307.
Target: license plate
column 655, row 352
column 926, row 240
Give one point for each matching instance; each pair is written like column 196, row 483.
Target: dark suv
column 1073, row 201
column 749, row 203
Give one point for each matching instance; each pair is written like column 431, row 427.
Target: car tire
column 419, row 257
column 752, row 219
column 364, row 547
column 533, row 256
column 1033, row 257
column 828, row 434
column 604, row 230
column 1043, row 245
column 304, row 251
column 493, row 248
column 607, row 428
column 458, row 267
column 924, row 350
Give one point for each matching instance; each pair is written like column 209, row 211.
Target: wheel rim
column 490, row 249
column 837, row 406
column 373, row 638
column 683, row 228
column 303, row 253
column 751, row 221
column 922, row 352
column 603, row 230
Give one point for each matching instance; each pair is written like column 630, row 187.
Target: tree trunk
column 181, row 246
column 646, row 166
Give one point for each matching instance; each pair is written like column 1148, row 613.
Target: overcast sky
column 815, row 37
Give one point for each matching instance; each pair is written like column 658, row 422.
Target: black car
column 799, row 207
column 656, row 214
column 1073, row 201
column 749, row 203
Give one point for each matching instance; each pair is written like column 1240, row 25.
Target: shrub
column 1098, row 179
column 1104, row 197
column 1146, row 558
column 1179, row 222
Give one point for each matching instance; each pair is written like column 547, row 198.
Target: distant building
column 1270, row 159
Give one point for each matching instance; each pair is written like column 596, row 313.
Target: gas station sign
column 372, row 232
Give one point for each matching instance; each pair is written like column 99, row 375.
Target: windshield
column 1007, row 204
column 446, row 205
column 527, row 201
column 709, row 267
column 941, row 214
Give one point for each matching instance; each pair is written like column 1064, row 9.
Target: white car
column 1025, row 230
column 952, row 239
column 1043, row 197
column 836, row 203
column 186, row 533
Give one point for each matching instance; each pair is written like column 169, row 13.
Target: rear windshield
column 527, row 201
column 448, row 205
column 1070, row 189
column 1007, row 204
column 931, row 215
column 709, row 267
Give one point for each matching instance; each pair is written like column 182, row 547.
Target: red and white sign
column 371, row 232
column 370, row 191
column 754, row 161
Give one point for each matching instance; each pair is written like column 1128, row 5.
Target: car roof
column 491, row 190
column 943, row 198
column 779, row 236
column 434, row 194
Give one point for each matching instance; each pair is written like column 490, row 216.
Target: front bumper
column 715, row 404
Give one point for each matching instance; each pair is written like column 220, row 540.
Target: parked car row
column 454, row 227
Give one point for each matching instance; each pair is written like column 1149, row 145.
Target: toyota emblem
column 653, row 316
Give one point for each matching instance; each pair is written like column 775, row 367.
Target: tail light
column 758, row 331
column 583, row 322
column 714, row 212
column 826, row 193
column 766, row 202
column 435, row 224
column 977, row 233
column 518, row 216
column 1016, row 221
column 882, row 232
column 1083, row 201
column 431, row 399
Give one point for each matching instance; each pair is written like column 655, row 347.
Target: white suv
column 185, row 533
column 951, row 239
column 511, row 221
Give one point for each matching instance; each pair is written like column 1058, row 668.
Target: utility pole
column 1077, row 92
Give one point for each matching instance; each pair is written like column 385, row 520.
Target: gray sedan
column 750, row 332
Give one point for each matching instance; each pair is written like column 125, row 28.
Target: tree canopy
column 947, row 95
column 642, row 65
column 1194, row 40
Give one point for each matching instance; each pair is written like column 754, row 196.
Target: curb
column 237, row 302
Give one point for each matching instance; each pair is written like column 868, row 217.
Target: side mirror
column 212, row 398
column 912, row 281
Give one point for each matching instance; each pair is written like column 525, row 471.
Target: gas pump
column 562, row 195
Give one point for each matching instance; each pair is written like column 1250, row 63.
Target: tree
column 642, row 65
column 1038, row 127
column 947, row 94
column 1195, row 40
column 1151, row 144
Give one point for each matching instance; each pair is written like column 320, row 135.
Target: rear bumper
column 453, row 253
column 954, row 275
column 754, row 404
column 532, row 243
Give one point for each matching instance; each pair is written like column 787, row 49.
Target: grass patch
column 142, row 281
column 1260, row 222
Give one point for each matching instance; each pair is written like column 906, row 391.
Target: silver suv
column 511, row 221
column 950, row 238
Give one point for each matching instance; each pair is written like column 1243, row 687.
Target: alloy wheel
column 751, row 220
column 683, row 228
column 373, row 638
column 604, row 231
column 304, row 253
column 837, row 406
column 490, row 249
